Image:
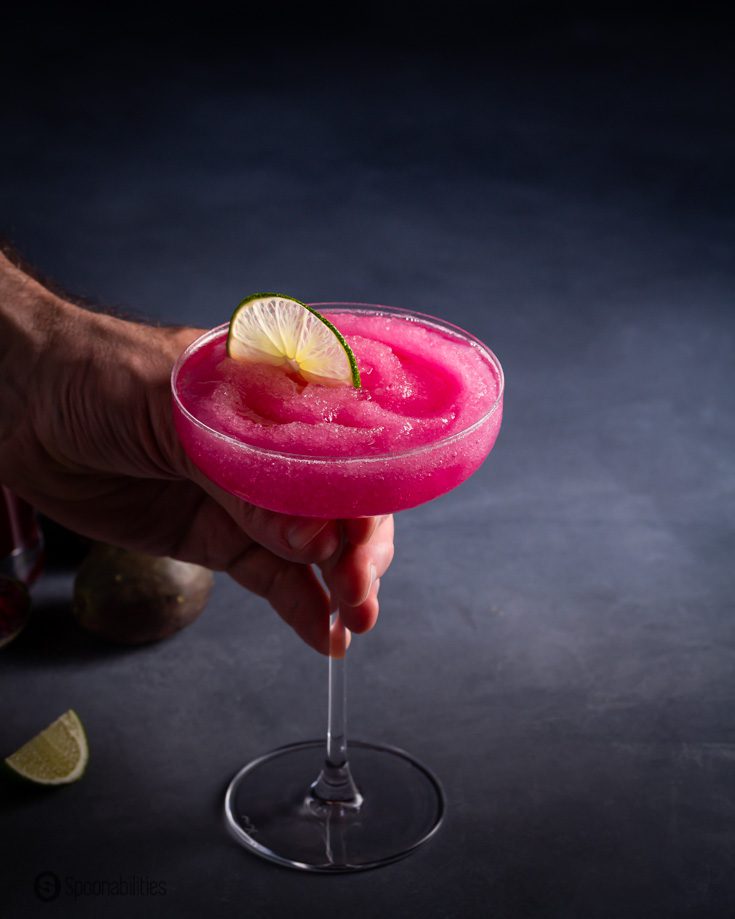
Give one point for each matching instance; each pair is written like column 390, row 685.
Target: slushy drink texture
column 427, row 415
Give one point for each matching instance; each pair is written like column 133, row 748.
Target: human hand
column 86, row 436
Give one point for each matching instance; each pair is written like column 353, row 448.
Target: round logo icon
column 47, row 886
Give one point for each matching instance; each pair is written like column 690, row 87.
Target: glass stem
column 337, row 708
column 335, row 784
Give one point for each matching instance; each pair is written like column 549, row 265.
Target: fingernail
column 301, row 534
column 377, row 588
column 379, row 521
column 373, row 579
column 339, row 639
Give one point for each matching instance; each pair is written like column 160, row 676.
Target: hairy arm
column 86, row 436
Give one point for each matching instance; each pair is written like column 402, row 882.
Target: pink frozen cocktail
column 427, row 415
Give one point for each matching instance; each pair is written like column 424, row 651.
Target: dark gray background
column 557, row 639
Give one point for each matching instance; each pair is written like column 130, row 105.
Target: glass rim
column 356, row 307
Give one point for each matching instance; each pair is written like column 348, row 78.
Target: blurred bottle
column 21, row 543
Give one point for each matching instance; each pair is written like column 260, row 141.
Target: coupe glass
column 299, row 805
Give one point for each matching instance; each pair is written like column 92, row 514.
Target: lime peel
column 271, row 328
column 57, row 755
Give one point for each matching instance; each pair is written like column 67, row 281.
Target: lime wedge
column 56, row 756
column 274, row 329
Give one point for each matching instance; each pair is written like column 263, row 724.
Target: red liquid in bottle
column 21, row 543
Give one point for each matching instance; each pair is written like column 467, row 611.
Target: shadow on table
column 53, row 634
column 16, row 793
column 64, row 550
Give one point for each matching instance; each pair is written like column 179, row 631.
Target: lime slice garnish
column 274, row 329
column 56, row 756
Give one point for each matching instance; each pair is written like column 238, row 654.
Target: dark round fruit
column 131, row 598
column 15, row 608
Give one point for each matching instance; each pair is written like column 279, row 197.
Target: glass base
column 269, row 808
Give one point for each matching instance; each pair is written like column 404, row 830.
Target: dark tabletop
column 557, row 637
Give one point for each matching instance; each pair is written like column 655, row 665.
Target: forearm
column 30, row 318
column 81, row 389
